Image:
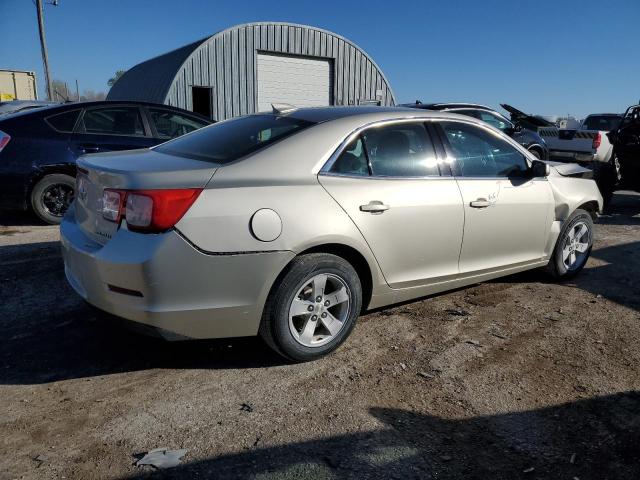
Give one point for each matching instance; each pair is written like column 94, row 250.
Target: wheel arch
column 44, row 170
column 590, row 207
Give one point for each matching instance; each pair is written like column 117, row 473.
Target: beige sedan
column 290, row 224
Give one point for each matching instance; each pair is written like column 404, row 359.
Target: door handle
column 375, row 207
column 480, row 203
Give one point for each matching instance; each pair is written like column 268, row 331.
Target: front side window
column 232, row 139
column 171, row 125
column 494, row 120
column 401, row 150
column 112, row 121
column 479, row 153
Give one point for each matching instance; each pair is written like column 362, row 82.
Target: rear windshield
column 601, row 122
column 227, row 141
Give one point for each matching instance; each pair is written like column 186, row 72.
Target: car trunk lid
column 129, row 170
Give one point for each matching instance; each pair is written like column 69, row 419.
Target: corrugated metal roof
column 226, row 62
column 150, row 81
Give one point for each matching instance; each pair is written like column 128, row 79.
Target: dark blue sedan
column 39, row 148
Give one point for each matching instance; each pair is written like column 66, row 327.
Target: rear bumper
column 164, row 283
column 563, row 156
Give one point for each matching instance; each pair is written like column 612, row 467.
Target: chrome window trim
column 325, row 170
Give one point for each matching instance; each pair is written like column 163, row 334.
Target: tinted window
column 352, row 160
column 479, row 153
column 494, row 120
column 170, row 124
column 64, row 122
column 232, row 139
column 112, row 121
column 401, row 150
column 601, row 122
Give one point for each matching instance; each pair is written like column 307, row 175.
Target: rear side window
column 479, row 153
column 171, row 125
column 230, row 140
column 352, row 160
column 112, row 121
column 64, row 122
column 601, row 122
column 401, row 150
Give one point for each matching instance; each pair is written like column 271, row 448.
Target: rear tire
column 536, row 154
column 573, row 246
column 312, row 308
column 51, row 197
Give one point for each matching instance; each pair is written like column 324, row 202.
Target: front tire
column 51, row 197
column 313, row 307
column 573, row 246
column 536, row 153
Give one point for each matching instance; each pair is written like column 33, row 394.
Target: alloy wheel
column 56, row 199
column 575, row 246
column 319, row 310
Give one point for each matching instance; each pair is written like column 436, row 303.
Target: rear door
column 111, row 128
column 507, row 212
column 388, row 181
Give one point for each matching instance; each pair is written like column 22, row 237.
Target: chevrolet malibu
column 289, row 224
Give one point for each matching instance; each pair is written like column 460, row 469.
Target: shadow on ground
column 595, row 438
column 50, row 334
column 623, row 210
column 19, row 218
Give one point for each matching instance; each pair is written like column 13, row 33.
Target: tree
column 91, row 96
column 116, row 77
column 59, row 91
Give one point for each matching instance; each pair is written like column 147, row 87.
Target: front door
column 388, row 181
column 111, row 128
column 507, row 212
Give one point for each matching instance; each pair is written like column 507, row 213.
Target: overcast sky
column 548, row 56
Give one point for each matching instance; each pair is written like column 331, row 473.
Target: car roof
column 67, row 106
column 446, row 106
column 350, row 118
column 604, row 115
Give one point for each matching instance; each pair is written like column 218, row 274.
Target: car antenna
column 280, row 108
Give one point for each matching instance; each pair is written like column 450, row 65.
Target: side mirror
column 540, row 169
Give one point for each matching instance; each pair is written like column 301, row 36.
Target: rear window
column 64, row 122
column 227, row 141
column 601, row 122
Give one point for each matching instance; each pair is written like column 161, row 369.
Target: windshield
column 227, row 141
column 601, row 122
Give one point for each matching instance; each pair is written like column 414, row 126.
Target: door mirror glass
column 540, row 168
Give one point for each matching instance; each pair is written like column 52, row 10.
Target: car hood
column 570, row 170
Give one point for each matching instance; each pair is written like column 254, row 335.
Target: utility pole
column 43, row 47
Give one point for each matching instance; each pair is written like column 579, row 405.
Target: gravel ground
column 516, row 378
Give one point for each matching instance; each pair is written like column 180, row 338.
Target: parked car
column 14, row 106
column 39, row 148
column 289, row 224
column 626, row 147
column 525, row 137
column 587, row 145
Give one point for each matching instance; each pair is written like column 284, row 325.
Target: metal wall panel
column 226, row 62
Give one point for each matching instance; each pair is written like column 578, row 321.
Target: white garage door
column 303, row 82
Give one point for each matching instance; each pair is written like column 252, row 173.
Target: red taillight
column 597, row 140
column 148, row 210
column 4, row 139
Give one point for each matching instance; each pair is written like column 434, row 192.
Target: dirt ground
column 516, row 378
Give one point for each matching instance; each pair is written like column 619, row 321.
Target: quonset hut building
column 246, row 68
